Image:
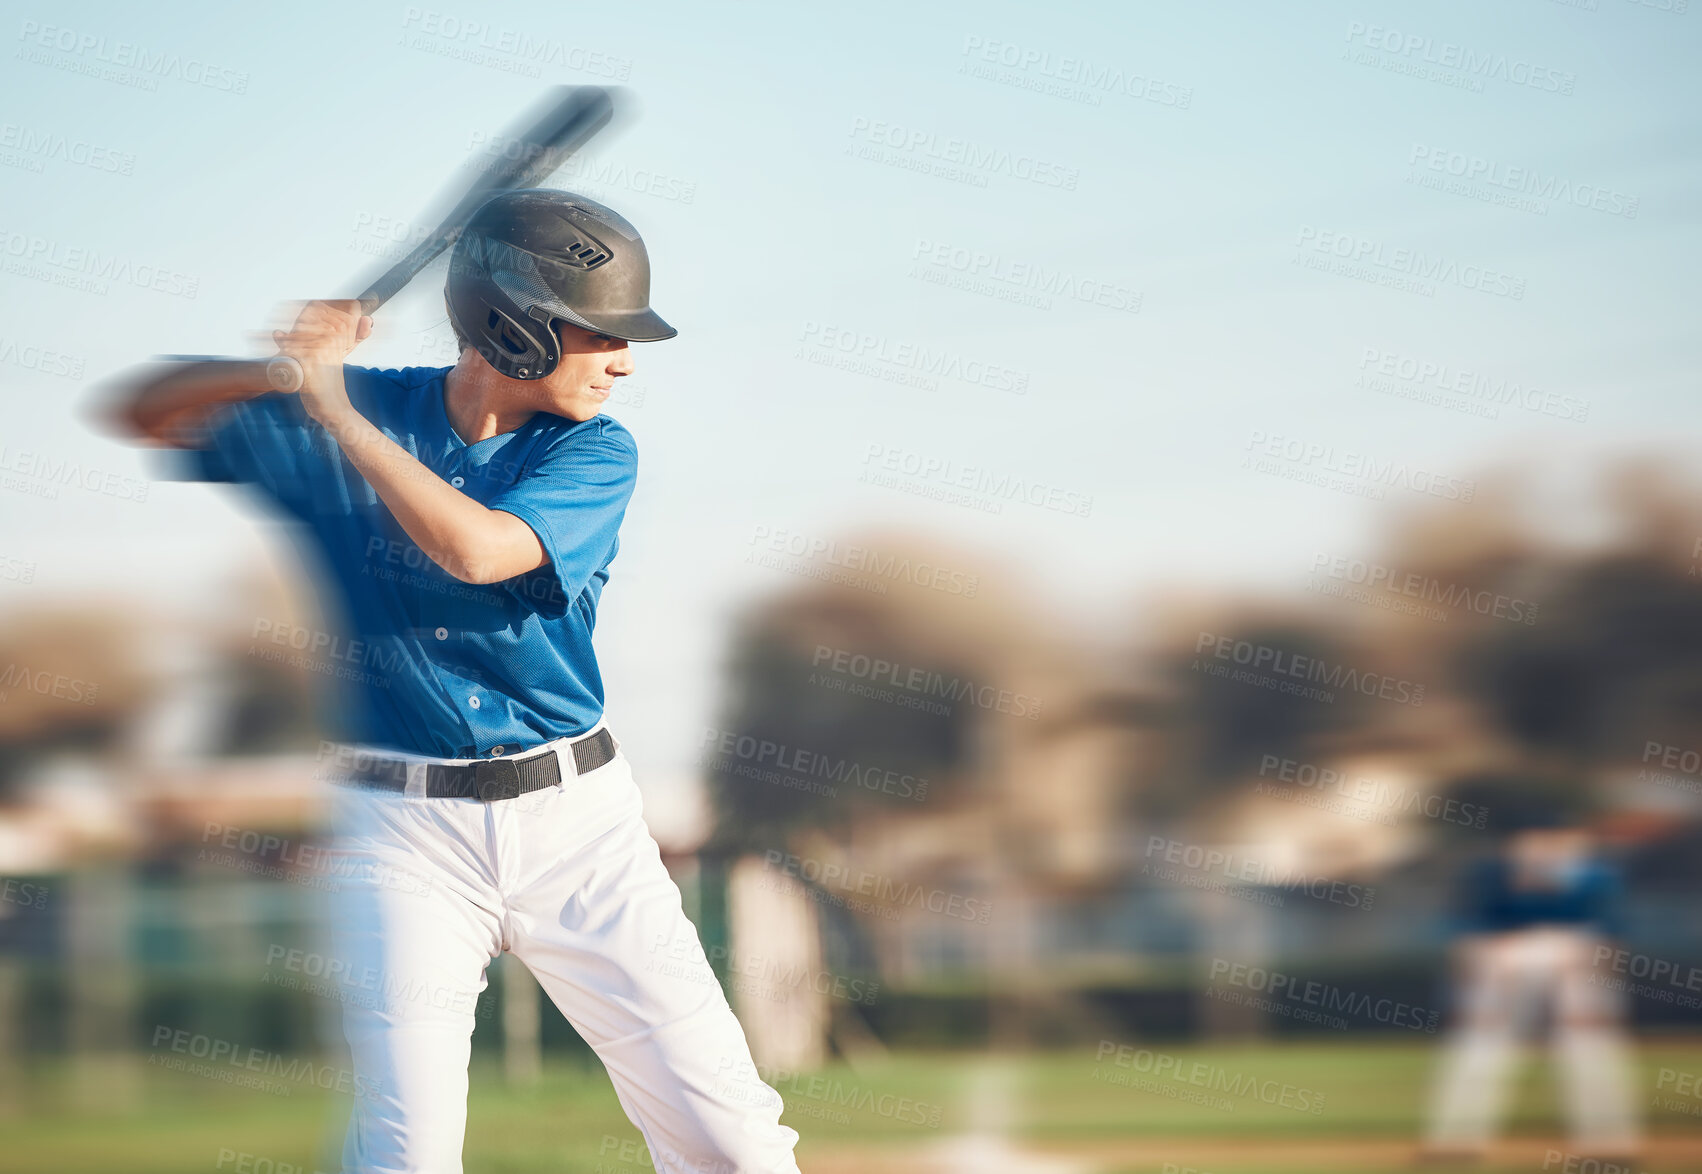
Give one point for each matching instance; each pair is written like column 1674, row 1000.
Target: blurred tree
column 1615, row 660
column 1223, row 726
column 777, row 696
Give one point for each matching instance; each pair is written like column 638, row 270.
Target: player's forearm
column 173, row 404
column 469, row 541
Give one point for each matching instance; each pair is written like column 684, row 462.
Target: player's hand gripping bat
column 567, row 120
column 564, row 121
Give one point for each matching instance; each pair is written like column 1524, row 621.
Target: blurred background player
column 1532, row 918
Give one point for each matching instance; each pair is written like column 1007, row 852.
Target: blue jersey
column 440, row 667
column 1585, row 896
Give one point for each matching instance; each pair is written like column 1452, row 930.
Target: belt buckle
column 496, row 779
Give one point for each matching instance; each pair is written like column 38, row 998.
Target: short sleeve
column 574, row 499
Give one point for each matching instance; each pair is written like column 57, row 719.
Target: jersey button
column 457, row 481
column 473, row 701
column 442, row 633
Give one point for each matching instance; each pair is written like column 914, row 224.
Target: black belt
column 487, row 781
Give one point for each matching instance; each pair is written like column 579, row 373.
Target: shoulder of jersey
column 598, row 429
column 402, row 376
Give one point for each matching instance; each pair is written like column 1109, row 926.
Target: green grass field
column 1278, row 1110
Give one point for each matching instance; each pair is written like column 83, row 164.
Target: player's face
column 585, row 378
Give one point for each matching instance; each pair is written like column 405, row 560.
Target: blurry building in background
column 937, row 815
column 1242, row 784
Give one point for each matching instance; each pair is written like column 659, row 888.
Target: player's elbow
column 499, row 547
column 472, row 569
column 481, row 576
column 118, row 414
column 477, row 563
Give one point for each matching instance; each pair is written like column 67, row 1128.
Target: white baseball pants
column 1509, row 980
column 569, row 879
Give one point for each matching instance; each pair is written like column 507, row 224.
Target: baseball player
column 1535, row 920
column 467, row 517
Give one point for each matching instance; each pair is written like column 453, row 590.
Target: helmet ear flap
column 527, row 347
column 548, row 341
column 507, row 334
column 518, row 345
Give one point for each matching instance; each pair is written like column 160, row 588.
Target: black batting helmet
column 533, row 256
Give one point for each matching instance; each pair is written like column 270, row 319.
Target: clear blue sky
column 1298, row 137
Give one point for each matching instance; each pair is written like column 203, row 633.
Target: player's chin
column 581, row 408
column 590, row 402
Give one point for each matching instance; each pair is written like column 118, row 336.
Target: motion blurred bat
column 562, row 122
column 567, row 120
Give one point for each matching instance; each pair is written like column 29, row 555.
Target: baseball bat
column 568, row 118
